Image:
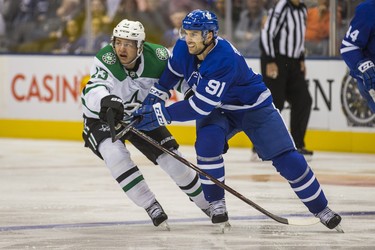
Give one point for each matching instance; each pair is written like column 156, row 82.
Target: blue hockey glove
column 153, row 116
column 157, row 93
column 113, row 102
column 367, row 71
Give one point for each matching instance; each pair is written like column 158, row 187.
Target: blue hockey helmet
column 203, row 20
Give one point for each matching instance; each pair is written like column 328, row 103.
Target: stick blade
column 303, row 221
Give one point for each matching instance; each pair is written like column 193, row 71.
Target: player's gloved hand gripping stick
column 366, row 70
column 129, row 126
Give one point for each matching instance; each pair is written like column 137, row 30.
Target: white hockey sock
column 186, row 178
column 126, row 173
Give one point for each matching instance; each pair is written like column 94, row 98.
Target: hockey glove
column 366, row 70
column 130, row 108
column 113, row 102
column 153, row 116
column 157, row 93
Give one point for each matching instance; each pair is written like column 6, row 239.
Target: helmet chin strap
column 204, row 49
column 205, row 46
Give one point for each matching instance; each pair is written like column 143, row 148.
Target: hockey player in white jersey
column 121, row 76
column 358, row 50
column 228, row 97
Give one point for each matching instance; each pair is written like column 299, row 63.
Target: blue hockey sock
column 293, row 167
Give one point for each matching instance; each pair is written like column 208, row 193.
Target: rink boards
column 40, row 98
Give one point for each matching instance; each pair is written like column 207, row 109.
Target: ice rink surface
column 59, row 195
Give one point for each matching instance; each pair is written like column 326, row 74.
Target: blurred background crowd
column 85, row 26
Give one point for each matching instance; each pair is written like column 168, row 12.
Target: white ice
column 59, row 195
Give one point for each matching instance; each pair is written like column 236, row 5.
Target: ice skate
column 207, row 212
column 157, row 215
column 219, row 215
column 330, row 219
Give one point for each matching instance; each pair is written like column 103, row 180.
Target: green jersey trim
column 154, row 60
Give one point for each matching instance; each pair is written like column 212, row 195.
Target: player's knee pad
column 210, row 141
column 116, row 156
column 291, row 165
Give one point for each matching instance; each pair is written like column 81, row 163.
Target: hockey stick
column 112, row 127
column 298, row 222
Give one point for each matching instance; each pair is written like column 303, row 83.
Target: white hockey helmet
column 131, row 30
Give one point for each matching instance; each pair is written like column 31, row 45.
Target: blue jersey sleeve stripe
column 196, row 109
column 262, row 97
column 348, row 49
column 173, row 71
column 206, row 100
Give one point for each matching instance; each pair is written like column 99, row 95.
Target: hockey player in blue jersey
column 358, row 50
column 227, row 97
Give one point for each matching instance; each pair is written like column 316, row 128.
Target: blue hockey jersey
column 222, row 80
column 359, row 40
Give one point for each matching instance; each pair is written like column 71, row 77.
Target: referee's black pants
column 291, row 86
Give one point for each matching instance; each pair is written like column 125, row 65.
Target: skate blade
column 339, row 229
column 164, row 225
column 224, row 227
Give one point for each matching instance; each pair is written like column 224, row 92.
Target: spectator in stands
column 170, row 36
column 99, row 10
column 219, row 9
column 247, row 32
column 317, row 28
column 66, row 11
column 111, row 7
column 3, row 40
column 99, row 38
column 23, row 25
column 128, row 9
column 70, row 43
column 155, row 17
column 2, row 20
column 184, row 5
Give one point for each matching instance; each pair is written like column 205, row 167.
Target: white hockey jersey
column 109, row 76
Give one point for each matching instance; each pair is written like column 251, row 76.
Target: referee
column 283, row 65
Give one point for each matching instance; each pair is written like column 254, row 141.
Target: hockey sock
column 293, row 167
column 186, row 178
column 209, row 147
column 126, row 173
column 213, row 166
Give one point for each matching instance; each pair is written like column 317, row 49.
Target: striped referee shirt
column 284, row 31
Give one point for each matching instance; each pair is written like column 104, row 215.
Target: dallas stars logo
column 132, row 104
column 109, row 58
column 104, row 128
column 162, row 53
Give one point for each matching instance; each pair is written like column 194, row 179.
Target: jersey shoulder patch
column 156, row 58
